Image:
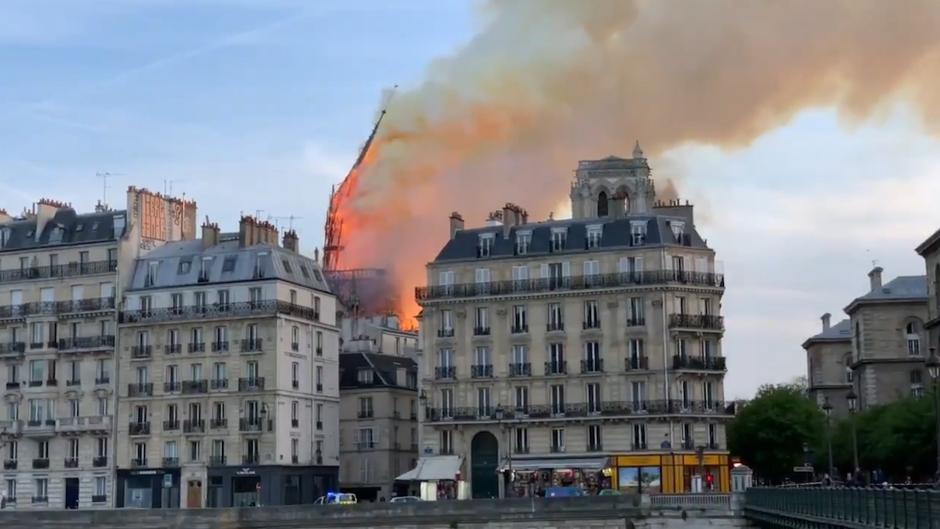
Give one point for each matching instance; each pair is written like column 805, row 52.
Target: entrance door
column 71, row 493
column 194, row 494
column 484, row 459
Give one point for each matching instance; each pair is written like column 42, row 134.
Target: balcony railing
column 365, row 445
column 558, row 367
column 219, row 347
column 173, row 349
column 85, row 305
column 104, row 379
column 41, row 463
column 250, row 459
column 249, row 424
column 138, row 428
column 218, row 423
column 520, row 370
column 555, row 326
column 138, row 462
column 86, row 342
column 711, row 363
column 251, row 345
column 196, row 347
column 216, row 461
column 62, row 270
column 194, row 426
column 636, row 322
column 593, row 323
column 171, row 425
column 216, row 310
column 170, row 387
column 637, row 363
column 481, row 371
column 519, row 329
column 13, row 348
column 218, row 383
column 365, row 414
column 597, row 281
column 251, row 384
column 9, row 464
column 697, row 321
column 445, row 372
column 99, row 498
column 140, row 390
column 141, row 351
column 605, row 409
column 481, row 331
column 13, row 385
column 592, row 365
column 99, row 461
column 195, row 386
column 70, row 462
column 445, row 333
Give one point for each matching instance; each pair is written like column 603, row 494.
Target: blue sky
column 261, row 105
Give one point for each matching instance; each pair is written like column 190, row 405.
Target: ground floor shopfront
column 228, row 486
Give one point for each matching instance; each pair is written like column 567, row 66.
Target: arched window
column 912, row 334
column 602, row 204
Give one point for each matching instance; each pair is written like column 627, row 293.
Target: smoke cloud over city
column 546, row 83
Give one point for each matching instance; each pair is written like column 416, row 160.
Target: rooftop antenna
column 290, row 220
column 104, row 175
column 168, row 186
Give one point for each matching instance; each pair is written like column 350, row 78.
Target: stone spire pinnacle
column 637, row 151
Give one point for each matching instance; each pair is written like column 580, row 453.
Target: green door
column 484, row 459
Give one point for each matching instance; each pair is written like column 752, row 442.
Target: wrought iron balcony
column 70, row 462
column 295, row 346
column 141, row 351
column 605, row 409
column 557, row 367
column 85, row 305
column 449, row 372
column 138, row 428
column 12, row 348
column 195, row 386
column 194, row 426
column 250, row 424
column 481, row 331
column 173, row 349
column 595, row 447
column 637, row 363
column 519, row 329
column 557, row 449
column 171, row 425
column 365, row 445
column 696, row 321
column 40, row 499
column 250, row 459
column 86, row 342
column 445, row 333
column 251, row 384
column 171, row 462
column 196, row 347
column 219, row 347
column 13, row 385
column 99, row 461
column 104, row 379
column 218, row 423
column 218, row 383
column 40, row 463
column 636, row 322
column 9, row 464
column 520, row 369
column 711, row 363
column 592, row 365
column 99, row 498
column 216, row 310
column 593, row 323
column 251, row 345
column 595, row 281
column 52, row 382
column 365, row 414
column 555, row 326
column 170, row 387
column 140, row 390
column 481, row 371
column 139, row 462
column 216, row 461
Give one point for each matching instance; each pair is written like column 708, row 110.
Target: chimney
column 290, row 241
column 246, row 231
column 826, row 321
column 456, row 224
column 875, row 277
column 45, row 211
column 4, row 216
column 210, row 234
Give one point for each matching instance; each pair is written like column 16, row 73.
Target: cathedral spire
column 637, row 151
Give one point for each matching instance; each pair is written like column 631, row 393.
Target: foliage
column 769, row 434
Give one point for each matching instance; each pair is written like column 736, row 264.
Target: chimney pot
column 826, row 321
column 456, row 224
column 290, row 241
column 875, row 278
column 210, row 234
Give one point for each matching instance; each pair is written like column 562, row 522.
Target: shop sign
column 246, row 472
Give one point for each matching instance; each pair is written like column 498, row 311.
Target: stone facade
column 575, row 339
column 930, row 251
column 829, row 361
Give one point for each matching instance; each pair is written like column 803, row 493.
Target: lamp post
column 827, row 408
column 852, row 400
column 499, row 424
column 933, row 367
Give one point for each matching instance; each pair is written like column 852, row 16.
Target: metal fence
column 870, row 507
column 703, row 501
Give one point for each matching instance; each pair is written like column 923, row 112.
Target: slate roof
column 839, row 332
column 616, row 234
column 76, row 229
column 898, row 289
column 230, row 263
column 385, row 367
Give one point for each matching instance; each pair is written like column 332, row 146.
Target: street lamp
column 827, row 408
column 500, row 413
column 852, row 399
column 933, row 367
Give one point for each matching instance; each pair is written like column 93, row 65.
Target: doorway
column 71, row 493
column 194, row 494
column 484, row 458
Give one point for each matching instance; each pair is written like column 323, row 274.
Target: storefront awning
column 434, row 468
column 555, row 463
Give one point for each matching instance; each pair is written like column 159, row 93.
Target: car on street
column 405, row 499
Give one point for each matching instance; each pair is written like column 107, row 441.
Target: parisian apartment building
column 378, row 408
column 878, row 352
column 590, row 344
column 227, row 374
column 60, row 282
column 930, row 251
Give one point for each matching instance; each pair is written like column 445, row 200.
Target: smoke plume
column 548, row 82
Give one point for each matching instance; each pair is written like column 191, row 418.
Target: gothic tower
column 612, row 187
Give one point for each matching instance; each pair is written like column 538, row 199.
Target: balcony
column 481, row 371
column 697, row 321
column 215, row 311
column 102, row 380
column 52, row 344
column 592, row 366
column 194, row 426
column 319, row 351
column 99, row 498
column 73, row 382
column 138, row 462
column 9, row 464
column 35, row 383
column 13, row 349
column 606, row 409
column 138, row 428
column 171, row 462
column 449, row 372
column 173, row 349
column 557, row 449
column 171, row 387
column 192, row 387
column 365, row 414
column 85, row 305
column 140, row 390
column 250, row 459
column 251, row 345
column 295, row 346
column 251, row 424
column 13, row 385
column 71, row 462
column 219, row 347
column 171, row 425
column 39, row 428
column 92, row 424
column 520, row 369
column 319, row 388
column 698, row 363
column 595, row 447
column 218, row 423
column 218, row 383
column 637, row 445
column 216, row 461
column 555, row 326
column 87, row 342
column 40, row 499
column 445, row 333
column 251, row 384
column 141, row 351
column 295, row 384
column 319, row 426
column 481, row 331
column 63, row 270
column 636, row 322
column 519, row 329
column 636, row 363
column 583, row 282
column 593, row 323
column 365, row 445
column 558, row 367
column 294, row 423
column 41, row 463
column 51, row 382
column 36, row 345
column 196, row 347
column 99, row 461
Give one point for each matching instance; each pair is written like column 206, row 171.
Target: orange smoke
column 548, row 82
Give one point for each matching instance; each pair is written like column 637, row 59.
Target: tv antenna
column 104, row 175
column 168, row 186
column 290, row 220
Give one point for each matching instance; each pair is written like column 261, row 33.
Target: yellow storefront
column 671, row 473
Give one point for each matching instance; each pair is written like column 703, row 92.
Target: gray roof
column 616, row 234
column 841, row 331
column 230, row 263
column 901, row 288
column 384, row 366
column 75, row 229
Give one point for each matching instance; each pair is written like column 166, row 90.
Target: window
column 218, row 449
column 11, row 489
column 639, row 436
column 319, row 379
column 680, row 305
column 688, row 439
column 205, row 264
column 74, row 409
column 636, row 360
column 447, row 442
column 447, row 403
column 101, row 486
column 199, row 301
column 678, row 230
column 522, row 399
column 485, row 248
column 555, row 317
column 557, row 393
column 102, row 447
column 43, row 449
column 594, row 437
column 685, row 392
column 223, row 299
column 319, row 417
column 559, row 239
column 221, row 338
column 592, row 269
column 294, row 413
column 556, row 359
column 287, row 267
column 172, row 374
column 638, row 232
column 366, row 438
column 520, row 354
column 681, row 349
column 594, row 236
column 294, row 450
column 316, row 308
column 218, row 411
column 195, row 451
column 913, row 339
column 592, row 358
column 638, row 395
column 152, row 268
column 558, row 439
column 293, row 296
column 481, row 356
column 712, row 435
column 445, row 358
column 172, row 413
column 295, row 338
column 253, row 369
column 483, row 402
column 520, row 321
column 42, row 489
column 228, row 264
column 319, row 350
column 523, row 240
column 482, row 321
column 593, row 398
column 521, row 440
column 36, row 370
column 636, row 314
column 170, row 450
column 295, row 374
column 104, row 404
column 447, row 323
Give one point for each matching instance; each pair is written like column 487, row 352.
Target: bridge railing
column 869, row 507
column 704, row 501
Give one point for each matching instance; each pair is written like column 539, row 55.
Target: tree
column 769, row 434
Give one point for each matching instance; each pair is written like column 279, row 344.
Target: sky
column 261, row 106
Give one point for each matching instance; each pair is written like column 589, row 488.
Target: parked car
column 405, row 499
column 563, row 492
column 337, row 498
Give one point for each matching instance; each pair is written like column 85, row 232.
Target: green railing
column 866, row 507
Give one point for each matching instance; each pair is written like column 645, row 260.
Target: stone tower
column 612, row 187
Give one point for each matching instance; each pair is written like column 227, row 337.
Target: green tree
column 769, row 433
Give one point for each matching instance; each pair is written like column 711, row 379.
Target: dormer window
column 523, row 240
column 258, row 272
column 365, row 376
column 204, row 265
column 637, row 233
column 594, row 236
column 55, row 236
column 485, row 248
column 4, row 237
column 152, row 268
column 119, row 223
column 559, row 239
column 678, row 230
